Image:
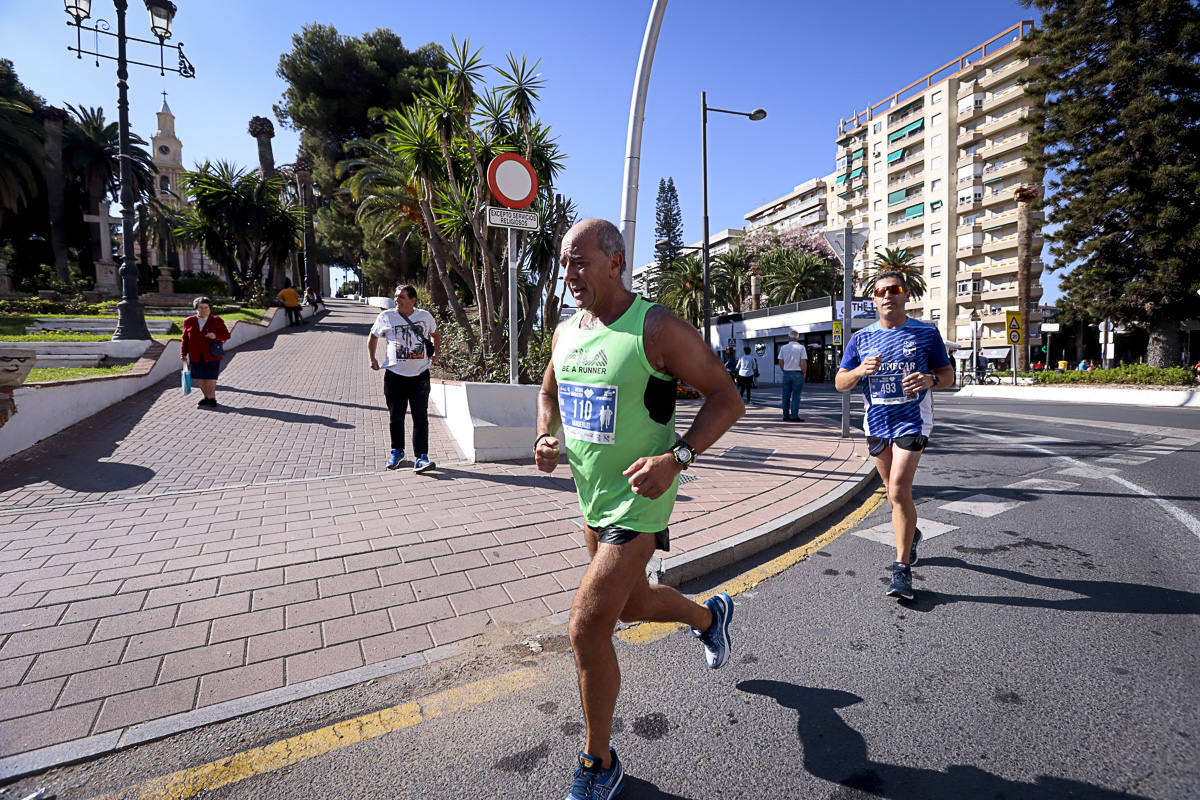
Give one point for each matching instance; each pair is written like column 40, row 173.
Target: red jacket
column 195, row 343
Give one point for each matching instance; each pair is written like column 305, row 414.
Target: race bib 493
column 887, row 390
column 589, row 411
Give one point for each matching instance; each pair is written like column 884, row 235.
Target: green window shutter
column 896, row 156
column 856, row 172
column 897, row 135
column 857, row 153
column 907, row 129
column 914, row 211
column 897, row 196
column 840, row 180
column 993, row 180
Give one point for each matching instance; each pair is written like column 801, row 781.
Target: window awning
column 914, row 211
column 854, row 173
column 897, row 196
column 857, row 153
column 907, row 129
column 993, row 180
column 896, row 156
column 840, row 180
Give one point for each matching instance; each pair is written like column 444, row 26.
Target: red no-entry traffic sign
column 512, row 180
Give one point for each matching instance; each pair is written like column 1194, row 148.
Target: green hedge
column 211, row 285
column 1130, row 374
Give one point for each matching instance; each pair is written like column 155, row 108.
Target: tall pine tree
column 1117, row 121
column 668, row 225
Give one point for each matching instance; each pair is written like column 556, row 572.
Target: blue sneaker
column 395, row 459
column 901, row 585
column 594, row 782
column 423, row 464
column 716, row 638
column 912, row 553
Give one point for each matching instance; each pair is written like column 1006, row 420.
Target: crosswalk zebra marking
column 981, row 505
column 1043, row 484
column 1131, row 461
column 883, row 533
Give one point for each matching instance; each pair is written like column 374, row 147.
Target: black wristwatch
column 683, row 453
column 936, row 380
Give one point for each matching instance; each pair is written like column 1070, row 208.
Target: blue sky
column 808, row 64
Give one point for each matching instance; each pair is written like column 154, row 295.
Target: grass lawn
column 66, row 373
column 12, row 326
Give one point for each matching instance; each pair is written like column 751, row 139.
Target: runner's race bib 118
column 887, row 390
column 589, row 411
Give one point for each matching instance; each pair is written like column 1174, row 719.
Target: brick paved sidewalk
column 163, row 568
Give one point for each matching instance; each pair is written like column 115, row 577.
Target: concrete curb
column 111, row 741
column 1166, row 398
column 701, row 561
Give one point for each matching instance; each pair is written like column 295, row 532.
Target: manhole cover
column 685, row 478
column 741, row 453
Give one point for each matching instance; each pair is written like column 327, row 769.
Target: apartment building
column 718, row 243
column 806, row 207
column 933, row 169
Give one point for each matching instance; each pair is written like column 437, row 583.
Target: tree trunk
column 1163, row 347
column 52, row 121
column 441, row 259
column 1026, row 195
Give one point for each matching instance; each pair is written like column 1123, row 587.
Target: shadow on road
column 286, row 416
column 835, row 752
column 322, row 401
column 638, row 789
column 1106, row 597
column 534, row 480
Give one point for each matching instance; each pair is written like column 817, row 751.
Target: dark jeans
column 744, row 383
column 402, row 392
column 293, row 313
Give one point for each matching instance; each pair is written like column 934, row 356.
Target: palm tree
column 20, row 155
column 790, row 276
column 681, row 287
column 240, row 220
column 898, row 260
column 729, row 276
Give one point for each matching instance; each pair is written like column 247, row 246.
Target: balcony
column 1001, row 244
column 908, row 159
column 1011, row 143
column 1011, row 119
column 1010, row 167
column 1001, row 97
column 969, row 227
column 967, row 204
column 966, row 159
column 908, row 116
column 971, row 111
column 967, row 136
column 908, row 198
column 997, row 74
column 994, row 197
column 909, row 240
column 906, row 222
column 907, row 177
column 967, row 180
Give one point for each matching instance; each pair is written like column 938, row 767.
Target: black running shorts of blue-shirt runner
column 915, row 346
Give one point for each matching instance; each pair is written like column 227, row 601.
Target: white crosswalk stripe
column 981, row 505
column 1043, row 484
column 883, row 533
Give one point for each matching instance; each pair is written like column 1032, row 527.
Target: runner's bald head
column 607, row 237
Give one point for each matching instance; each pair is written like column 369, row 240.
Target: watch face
column 162, row 148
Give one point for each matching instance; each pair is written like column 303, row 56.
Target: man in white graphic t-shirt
column 793, row 360
column 411, row 343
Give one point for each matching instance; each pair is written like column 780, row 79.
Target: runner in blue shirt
column 897, row 361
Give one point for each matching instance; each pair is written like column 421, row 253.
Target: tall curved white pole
column 633, row 142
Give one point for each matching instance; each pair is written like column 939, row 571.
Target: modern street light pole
column 754, row 116
column 131, row 317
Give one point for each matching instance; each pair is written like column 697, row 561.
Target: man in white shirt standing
column 793, row 360
column 412, row 342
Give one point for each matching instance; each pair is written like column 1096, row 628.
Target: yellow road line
column 191, row 782
column 652, row 631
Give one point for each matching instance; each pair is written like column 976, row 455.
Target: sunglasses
column 884, row 291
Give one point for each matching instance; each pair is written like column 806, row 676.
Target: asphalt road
column 1050, row 653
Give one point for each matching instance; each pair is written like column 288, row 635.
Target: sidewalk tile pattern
column 156, row 558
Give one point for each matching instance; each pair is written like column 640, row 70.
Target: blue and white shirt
column 913, row 347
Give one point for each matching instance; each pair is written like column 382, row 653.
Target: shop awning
column 996, row 352
column 895, row 156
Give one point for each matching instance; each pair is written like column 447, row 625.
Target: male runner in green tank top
column 611, row 385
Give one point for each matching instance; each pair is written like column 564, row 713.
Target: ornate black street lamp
column 131, row 317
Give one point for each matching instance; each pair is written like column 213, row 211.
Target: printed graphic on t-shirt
column 406, row 341
column 589, row 412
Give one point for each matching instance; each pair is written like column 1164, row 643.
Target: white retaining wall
column 488, row 421
column 45, row 409
column 1088, row 394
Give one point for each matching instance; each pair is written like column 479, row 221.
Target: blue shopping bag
column 185, row 380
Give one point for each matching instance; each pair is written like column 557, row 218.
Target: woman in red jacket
column 200, row 332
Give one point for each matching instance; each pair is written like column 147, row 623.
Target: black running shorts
column 914, row 442
column 615, row 534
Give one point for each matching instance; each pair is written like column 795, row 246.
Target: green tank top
column 615, row 409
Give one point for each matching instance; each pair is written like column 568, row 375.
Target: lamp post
column 975, row 317
column 131, row 317
column 754, row 116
